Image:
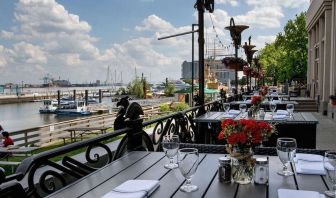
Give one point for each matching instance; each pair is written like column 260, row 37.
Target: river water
column 20, row 116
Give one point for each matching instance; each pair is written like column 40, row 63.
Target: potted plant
column 234, row 63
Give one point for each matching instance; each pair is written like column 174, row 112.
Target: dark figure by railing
column 119, row 122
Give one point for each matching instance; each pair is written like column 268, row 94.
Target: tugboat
column 49, row 106
column 79, row 110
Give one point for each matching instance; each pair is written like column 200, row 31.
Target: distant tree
column 286, row 58
column 169, row 89
column 136, row 88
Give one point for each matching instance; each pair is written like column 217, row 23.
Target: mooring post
column 74, row 94
column 58, row 98
column 86, row 97
column 100, row 95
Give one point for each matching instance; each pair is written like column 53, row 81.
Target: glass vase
column 242, row 166
column 255, row 111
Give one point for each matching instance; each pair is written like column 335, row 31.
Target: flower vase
column 255, row 111
column 242, row 166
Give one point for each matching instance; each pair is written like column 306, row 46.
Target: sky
column 78, row 40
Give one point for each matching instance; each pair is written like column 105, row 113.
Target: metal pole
column 192, row 65
column 200, row 8
column 236, row 71
column 100, row 95
column 86, row 97
column 59, row 98
column 180, row 34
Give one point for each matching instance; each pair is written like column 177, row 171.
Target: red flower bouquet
column 263, row 91
column 241, row 136
column 245, row 133
column 256, row 100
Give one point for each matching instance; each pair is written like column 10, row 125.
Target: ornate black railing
column 42, row 174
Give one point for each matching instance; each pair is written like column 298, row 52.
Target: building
column 221, row 73
column 321, row 71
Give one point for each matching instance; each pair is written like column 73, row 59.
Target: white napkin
column 235, row 112
column 228, row 116
column 282, row 112
column 276, row 101
column 308, row 157
column 309, row 164
column 133, row 189
column 279, row 117
column 287, row 193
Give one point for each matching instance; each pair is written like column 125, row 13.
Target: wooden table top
column 299, row 117
column 150, row 165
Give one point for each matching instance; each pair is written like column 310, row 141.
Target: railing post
column 26, row 138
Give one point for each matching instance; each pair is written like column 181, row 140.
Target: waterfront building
column 221, row 73
column 321, row 71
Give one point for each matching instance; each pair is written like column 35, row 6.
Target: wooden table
column 83, row 130
column 302, row 127
column 144, row 165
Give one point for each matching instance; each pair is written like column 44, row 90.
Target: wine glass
column 272, row 107
column 170, row 145
column 290, row 109
column 329, row 162
column 242, row 108
column 286, row 148
column 187, row 159
column 226, row 107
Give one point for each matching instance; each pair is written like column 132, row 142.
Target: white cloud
column 3, row 60
column 261, row 40
column 282, row 3
column 28, row 53
column 231, row 2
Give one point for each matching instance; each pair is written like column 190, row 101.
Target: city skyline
column 78, row 39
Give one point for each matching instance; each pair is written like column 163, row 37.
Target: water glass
column 272, row 107
column 329, row 162
column 170, row 145
column 286, row 148
column 242, row 108
column 227, row 107
column 187, row 159
column 290, row 110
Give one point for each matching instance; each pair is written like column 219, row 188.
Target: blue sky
column 78, row 39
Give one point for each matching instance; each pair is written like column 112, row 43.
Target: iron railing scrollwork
column 45, row 176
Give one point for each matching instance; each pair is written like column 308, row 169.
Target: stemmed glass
column 329, row 162
column 226, row 107
column 290, row 110
column 242, row 108
column 170, row 145
column 286, row 148
column 187, row 159
column 272, row 107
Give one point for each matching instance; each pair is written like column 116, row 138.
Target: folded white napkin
column 287, row 193
column 279, row 117
column 308, row 157
column 276, row 101
column 133, row 189
column 236, row 112
column 282, row 112
column 309, row 164
column 228, row 116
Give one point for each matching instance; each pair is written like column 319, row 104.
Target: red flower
column 256, row 100
column 245, row 133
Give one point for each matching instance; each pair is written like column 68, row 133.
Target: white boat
column 80, row 109
column 49, row 106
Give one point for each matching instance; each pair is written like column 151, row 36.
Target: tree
column 169, row 89
column 286, row 58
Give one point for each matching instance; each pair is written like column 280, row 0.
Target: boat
column 49, row 106
column 79, row 110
